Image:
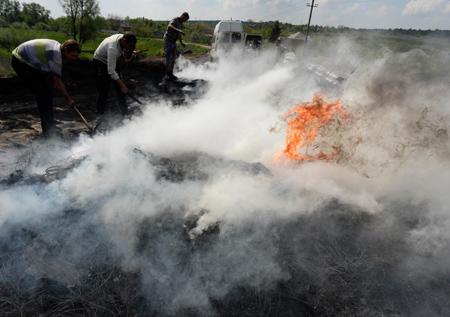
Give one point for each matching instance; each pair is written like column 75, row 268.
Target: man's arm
column 111, row 64
column 181, row 40
column 122, row 86
column 62, row 90
column 174, row 28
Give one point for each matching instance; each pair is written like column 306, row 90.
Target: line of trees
column 83, row 20
column 28, row 14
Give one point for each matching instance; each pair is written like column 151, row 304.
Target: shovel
column 135, row 99
column 91, row 130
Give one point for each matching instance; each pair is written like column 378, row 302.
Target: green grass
column 155, row 47
column 11, row 38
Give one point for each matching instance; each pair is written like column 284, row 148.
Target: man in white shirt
column 105, row 69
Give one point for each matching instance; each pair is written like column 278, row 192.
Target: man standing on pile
column 280, row 51
column 105, row 69
column 33, row 59
column 173, row 33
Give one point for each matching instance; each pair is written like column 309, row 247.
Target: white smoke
column 395, row 151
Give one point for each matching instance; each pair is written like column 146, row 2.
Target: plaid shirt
column 172, row 35
column 42, row 54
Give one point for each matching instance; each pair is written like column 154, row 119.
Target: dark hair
column 185, row 14
column 72, row 46
column 130, row 37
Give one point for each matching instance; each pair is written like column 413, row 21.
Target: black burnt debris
column 171, row 255
column 328, row 263
column 335, row 269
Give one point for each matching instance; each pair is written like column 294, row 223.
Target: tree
column 276, row 31
column 34, row 13
column 10, row 10
column 113, row 22
column 82, row 15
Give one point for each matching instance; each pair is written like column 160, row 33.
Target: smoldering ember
column 314, row 187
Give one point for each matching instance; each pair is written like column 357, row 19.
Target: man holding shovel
column 105, row 69
column 173, row 33
column 31, row 60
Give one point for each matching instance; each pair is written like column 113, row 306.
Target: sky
column 383, row 14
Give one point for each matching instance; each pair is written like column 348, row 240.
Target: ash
column 182, row 209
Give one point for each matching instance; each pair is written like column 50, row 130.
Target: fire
column 304, row 121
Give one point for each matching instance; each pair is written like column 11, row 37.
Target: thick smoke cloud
column 185, row 208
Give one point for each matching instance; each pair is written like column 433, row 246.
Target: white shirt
column 108, row 52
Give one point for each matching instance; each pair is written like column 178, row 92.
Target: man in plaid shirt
column 173, row 33
column 32, row 60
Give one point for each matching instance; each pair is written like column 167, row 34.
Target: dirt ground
column 19, row 117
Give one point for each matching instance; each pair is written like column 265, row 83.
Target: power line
column 302, row 5
column 287, row 12
column 284, row 11
column 346, row 2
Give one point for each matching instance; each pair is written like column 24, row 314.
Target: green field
column 11, row 38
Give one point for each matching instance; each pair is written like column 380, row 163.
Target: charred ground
column 19, row 117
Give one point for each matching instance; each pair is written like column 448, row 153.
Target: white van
column 227, row 36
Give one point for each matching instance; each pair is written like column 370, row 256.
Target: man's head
column 70, row 50
column 184, row 17
column 129, row 41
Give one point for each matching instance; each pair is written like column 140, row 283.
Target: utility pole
column 309, row 22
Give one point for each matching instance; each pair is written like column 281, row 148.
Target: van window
column 224, row 38
column 236, row 38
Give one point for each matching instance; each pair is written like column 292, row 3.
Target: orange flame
column 304, row 121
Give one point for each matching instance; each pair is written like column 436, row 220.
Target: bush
column 10, row 39
column 42, row 26
column 3, row 22
column 5, row 65
column 20, row 25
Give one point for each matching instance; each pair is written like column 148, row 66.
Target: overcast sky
column 415, row 14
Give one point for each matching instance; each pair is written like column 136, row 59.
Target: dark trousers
column 37, row 83
column 103, row 81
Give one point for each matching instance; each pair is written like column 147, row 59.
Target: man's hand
column 184, row 45
column 62, row 90
column 70, row 103
column 182, row 32
column 122, row 86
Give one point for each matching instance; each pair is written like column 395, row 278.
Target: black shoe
column 98, row 120
column 171, row 76
column 53, row 132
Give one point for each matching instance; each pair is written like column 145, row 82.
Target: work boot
column 98, row 120
column 53, row 132
column 171, row 76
